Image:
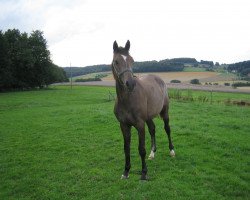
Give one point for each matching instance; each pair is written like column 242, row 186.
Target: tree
column 175, row 81
column 195, row 81
column 217, row 64
column 5, row 64
column 41, row 55
column 25, row 61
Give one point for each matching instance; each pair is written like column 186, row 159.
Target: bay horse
column 138, row 101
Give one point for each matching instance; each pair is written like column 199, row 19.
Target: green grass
column 194, row 69
column 210, row 96
column 92, row 75
column 66, row 144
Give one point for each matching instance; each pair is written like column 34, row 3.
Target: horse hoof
column 151, row 156
column 124, row 177
column 172, row 153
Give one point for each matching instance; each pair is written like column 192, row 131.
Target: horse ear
column 127, row 46
column 115, row 46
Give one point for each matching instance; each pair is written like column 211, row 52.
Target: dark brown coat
column 139, row 100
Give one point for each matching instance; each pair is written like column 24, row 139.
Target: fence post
column 211, row 96
column 70, row 76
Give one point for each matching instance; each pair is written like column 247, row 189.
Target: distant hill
column 175, row 64
column 242, row 68
column 78, row 71
column 167, row 65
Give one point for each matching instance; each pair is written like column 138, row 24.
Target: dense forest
column 25, row 61
column 242, row 68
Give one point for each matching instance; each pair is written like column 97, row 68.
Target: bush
column 227, row 84
column 87, row 79
column 195, row 81
column 100, row 75
column 175, row 81
column 241, row 84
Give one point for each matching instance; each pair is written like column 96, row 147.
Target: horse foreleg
column 151, row 129
column 126, row 131
column 142, row 150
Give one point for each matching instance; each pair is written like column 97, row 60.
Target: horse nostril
column 127, row 84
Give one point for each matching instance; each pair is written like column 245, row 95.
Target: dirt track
column 215, row 88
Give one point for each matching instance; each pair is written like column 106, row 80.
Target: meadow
column 59, row 143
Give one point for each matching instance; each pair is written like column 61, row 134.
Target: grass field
column 194, row 69
column 91, row 75
column 66, row 144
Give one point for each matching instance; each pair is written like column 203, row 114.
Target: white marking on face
column 124, row 57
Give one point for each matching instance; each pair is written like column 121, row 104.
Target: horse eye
column 116, row 62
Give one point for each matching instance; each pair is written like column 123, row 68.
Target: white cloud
column 83, row 31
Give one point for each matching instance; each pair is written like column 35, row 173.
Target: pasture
column 66, row 144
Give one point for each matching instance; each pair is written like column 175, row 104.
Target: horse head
column 122, row 66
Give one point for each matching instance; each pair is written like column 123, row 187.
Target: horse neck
column 120, row 91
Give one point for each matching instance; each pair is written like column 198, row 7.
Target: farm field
column 185, row 77
column 194, row 69
column 59, row 143
column 168, row 76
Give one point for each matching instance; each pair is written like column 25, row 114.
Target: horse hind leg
column 151, row 129
column 165, row 117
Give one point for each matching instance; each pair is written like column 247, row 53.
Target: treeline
column 167, row 65
column 25, row 61
column 242, row 68
column 78, row 71
column 183, row 60
column 208, row 63
column 161, row 66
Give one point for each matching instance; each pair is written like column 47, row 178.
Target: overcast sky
column 83, row 31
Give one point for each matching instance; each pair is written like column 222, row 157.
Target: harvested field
column 184, row 77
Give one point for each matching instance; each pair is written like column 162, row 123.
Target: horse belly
column 155, row 102
column 155, row 91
